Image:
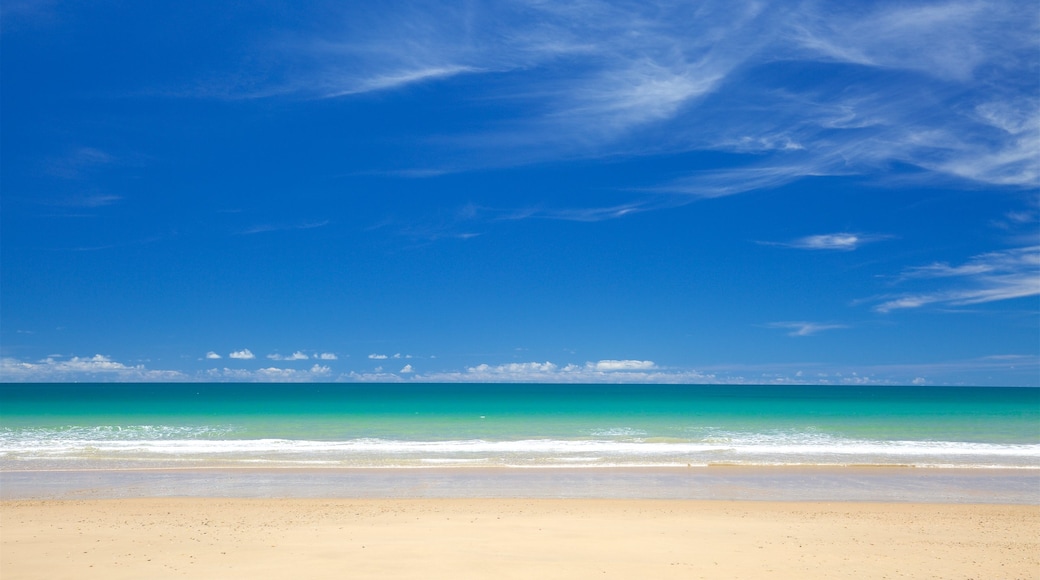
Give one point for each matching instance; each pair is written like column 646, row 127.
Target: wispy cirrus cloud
column 265, row 228
column 805, row 328
column 463, row 220
column 78, row 162
column 601, row 213
column 941, row 39
column 88, row 200
column 583, row 72
column 989, row 277
column 841, row 241
column 802, row 89
column 940, row 93
column 402, row 78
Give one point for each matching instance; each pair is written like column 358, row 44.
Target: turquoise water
column 77, row 426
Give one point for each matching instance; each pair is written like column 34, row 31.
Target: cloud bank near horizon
column 101, row 368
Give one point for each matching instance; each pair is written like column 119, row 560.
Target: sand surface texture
column 473, row 538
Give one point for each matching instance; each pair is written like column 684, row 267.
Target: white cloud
column 841, row 241
column 294, row 356
column 374, row 377
column 777, row 374
column 212, row 355
column 937, row 86
column 326, row 356
column 604, row 371
column 943, row 39
column 1027, row 219
column 805, row 328
column 934, row 118
column 628, row 65
column 269, row 374
column 990, row 277
column 997, row 369
column 96, row 368
column 621, row 365
column 378, row 356
column 528, row 368
column 596, row 214
column 608, row 372
column 243, row 354
column 402, row 78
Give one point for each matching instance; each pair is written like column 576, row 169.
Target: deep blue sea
column 118, row 426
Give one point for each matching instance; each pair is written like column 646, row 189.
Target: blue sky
column 732, row 192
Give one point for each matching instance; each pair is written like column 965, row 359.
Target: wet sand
column 791, row 483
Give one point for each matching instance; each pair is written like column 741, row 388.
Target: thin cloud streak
column 266, row 228
column 401, row 79
column 633, row 67
column 841, row 241
column 989, row 277
column 473, row 216
column 881, row 86
column 805, row 328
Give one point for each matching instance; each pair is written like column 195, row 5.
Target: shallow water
column 705, row 483
column 119, row 426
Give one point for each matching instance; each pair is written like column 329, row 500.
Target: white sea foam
column 618, row 432
column 169, row 444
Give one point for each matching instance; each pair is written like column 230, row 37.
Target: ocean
column 314, row 426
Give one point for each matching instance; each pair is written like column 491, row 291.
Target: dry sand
column 510, row 538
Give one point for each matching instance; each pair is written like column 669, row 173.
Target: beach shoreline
column 717, row 482
column 513, row 538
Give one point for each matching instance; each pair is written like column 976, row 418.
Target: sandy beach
column 514, row 538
